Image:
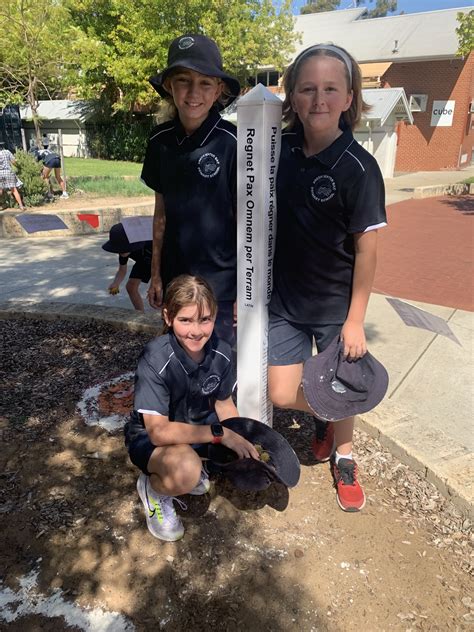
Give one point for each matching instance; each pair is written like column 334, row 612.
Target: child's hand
column 238, row 444
column 353, row 337
column 113, row 289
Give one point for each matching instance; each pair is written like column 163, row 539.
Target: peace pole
column 258, row 151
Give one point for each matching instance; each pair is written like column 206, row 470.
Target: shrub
column 34, row 188
column 121, row 138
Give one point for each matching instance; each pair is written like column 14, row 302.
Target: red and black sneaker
column 323, row 440
column 350, row 495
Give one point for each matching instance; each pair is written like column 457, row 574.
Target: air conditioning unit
column 471, row 107
column 418, row 102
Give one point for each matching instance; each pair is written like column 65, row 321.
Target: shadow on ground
column 70, row 509
column 463, row 204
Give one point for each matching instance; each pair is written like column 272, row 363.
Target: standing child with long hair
column 190, row 163
column 183, row 388
column 331, row 201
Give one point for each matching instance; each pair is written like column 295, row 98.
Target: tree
column 120, row 43
column 382, row 7
column 31, row 57
column 319, row 6
column 465, row 33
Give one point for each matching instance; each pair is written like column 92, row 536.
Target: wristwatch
column 217, row 433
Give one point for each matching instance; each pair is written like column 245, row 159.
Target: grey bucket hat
column 336, row 388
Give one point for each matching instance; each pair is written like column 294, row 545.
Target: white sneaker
column 203, row 485
column 161, row 518
column 65, row 195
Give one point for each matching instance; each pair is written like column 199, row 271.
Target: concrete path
column 427, row 416
column 403, row 187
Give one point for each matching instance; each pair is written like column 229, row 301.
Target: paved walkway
column 426, row 251
column 425, row 255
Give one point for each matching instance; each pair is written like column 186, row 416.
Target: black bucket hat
column 199, row 53
column 118, row 241
column 283, row 465
column 336, row 388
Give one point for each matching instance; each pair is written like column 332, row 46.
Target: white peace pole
column 258, row 151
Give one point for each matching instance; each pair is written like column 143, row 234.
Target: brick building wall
column 422, row 147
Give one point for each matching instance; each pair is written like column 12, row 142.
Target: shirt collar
column 329, row 156
column 188, row 363
column 197, row 138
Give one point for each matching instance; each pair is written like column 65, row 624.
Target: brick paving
column 426, row 252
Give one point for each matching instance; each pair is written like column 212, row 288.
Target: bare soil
column 277, row 560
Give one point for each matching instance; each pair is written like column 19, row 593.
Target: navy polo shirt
column 197, row 177
column 169, row 382
column 322, row 201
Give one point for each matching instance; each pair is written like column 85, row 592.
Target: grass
column 110, row 187
column 95, row 167
column 469, row 181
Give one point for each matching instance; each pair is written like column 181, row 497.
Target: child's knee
column 184, row 468
column 280, row 396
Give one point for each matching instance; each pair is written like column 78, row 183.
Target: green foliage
column 380, row 10
column 34, row 187
column 465, row 33
column 33, row 55
column 119, row 44
column 124, row 138
column 382, row 7
column 319, row 6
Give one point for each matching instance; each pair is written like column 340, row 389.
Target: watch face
column 217, row 430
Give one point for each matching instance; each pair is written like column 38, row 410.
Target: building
column 67, row 117
column 415, row 52
column 377, row 131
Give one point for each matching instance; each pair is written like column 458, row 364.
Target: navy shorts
column 292, row 343
column 140, row 448
column 53, row 163
column 141, row 271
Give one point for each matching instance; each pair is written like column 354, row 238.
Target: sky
column 408, row 6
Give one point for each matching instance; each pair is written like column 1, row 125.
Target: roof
column 61, row 109
column 383, row 102
column 409, row 37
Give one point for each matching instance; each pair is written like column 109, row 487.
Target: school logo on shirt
column 185, row 42
column 209, row 165
column 210, row 384
column 323, row 188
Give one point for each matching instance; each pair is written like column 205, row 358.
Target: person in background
column 8, row 178
column 141, row 253
column 51, row 162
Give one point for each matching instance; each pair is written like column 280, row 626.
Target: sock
column 342, row 456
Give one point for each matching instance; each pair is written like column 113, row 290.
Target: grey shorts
column 292, row 343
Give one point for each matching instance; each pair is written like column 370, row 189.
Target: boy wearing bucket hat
column 140, row 252
column 190, row 163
